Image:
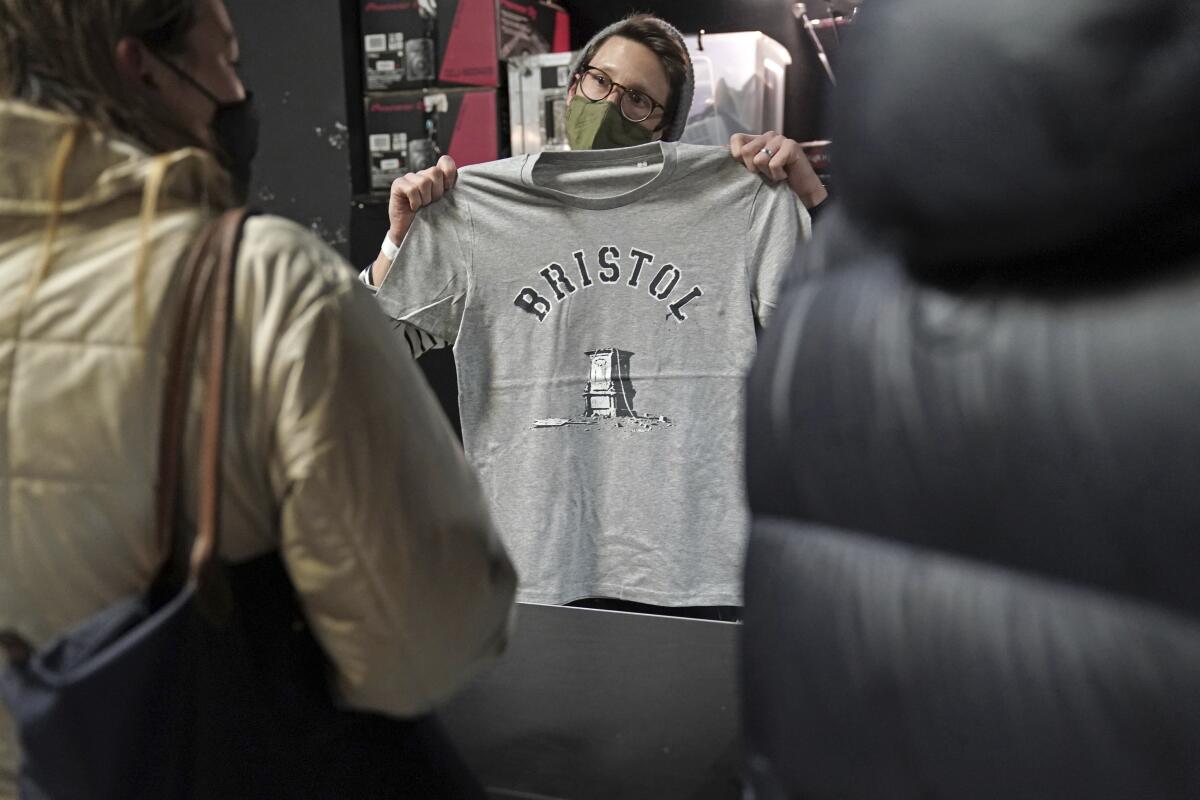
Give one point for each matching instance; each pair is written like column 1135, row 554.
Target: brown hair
column 650, row 31
column 60, row 55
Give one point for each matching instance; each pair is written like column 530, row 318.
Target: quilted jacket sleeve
column 383, row 527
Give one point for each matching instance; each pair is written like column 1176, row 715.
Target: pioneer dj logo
column 392, row 108
column 409, row 6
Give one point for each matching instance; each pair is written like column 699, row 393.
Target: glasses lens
column 636, row 107
column 595, row 85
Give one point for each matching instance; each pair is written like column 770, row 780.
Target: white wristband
column 388, row 249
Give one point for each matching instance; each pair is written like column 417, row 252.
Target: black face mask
column 234, row 128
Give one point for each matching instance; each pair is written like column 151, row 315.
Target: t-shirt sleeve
column 428, row 282
column 778, row 223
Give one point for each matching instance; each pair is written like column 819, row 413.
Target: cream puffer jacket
column 335, row 450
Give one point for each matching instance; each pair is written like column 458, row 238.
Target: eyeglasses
column 635, row 106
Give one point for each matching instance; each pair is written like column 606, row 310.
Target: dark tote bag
column 209, row 685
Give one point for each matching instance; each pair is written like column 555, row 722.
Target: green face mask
column 598, row 125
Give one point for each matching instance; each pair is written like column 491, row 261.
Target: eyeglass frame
column 654, row 104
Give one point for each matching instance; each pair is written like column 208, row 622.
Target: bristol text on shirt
column 661, row 286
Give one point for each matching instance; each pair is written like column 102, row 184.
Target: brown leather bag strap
column 197, row 273
column 220, row 323
column 210, row 268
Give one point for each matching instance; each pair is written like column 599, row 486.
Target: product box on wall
column 528, row 27
column 399, row 43
column 415, row 43
column 409, row 131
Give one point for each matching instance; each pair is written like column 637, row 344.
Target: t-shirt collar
column 588, row 159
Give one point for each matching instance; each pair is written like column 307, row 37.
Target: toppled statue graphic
column 608, row 395
column 609, row 392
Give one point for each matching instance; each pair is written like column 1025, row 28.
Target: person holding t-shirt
column 602, row 304
column 636, row 51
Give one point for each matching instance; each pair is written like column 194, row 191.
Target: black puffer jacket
column 974, row 428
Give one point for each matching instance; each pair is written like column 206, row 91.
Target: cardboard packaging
column 409, row 131
column 411, row 44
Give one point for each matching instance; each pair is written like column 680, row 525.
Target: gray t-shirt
column 602, row 308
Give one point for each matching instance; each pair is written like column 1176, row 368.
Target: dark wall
column 807, row 85
column 293, row 59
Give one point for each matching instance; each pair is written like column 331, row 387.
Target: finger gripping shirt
column 602, row 309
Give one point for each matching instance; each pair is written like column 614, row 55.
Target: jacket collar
column 103, row 166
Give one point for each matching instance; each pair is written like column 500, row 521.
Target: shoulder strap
column 204, row 549
column 210, row 271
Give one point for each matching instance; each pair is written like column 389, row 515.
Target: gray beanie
column 684, row 104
